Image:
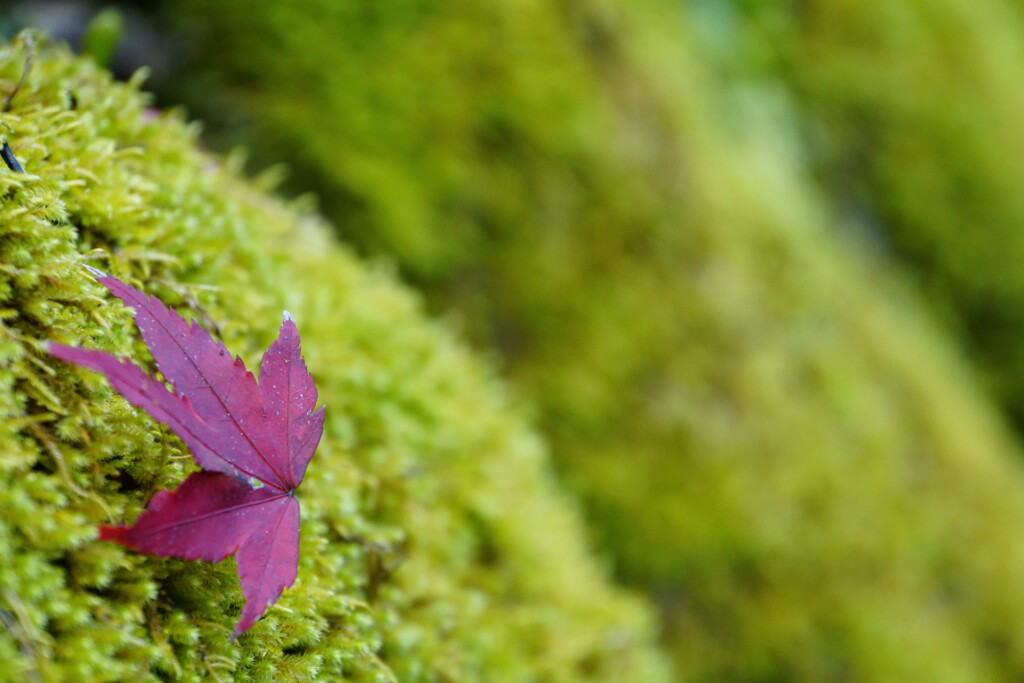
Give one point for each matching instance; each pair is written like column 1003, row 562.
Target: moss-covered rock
column 910, row 121
column 771, row 435
column 435, row 546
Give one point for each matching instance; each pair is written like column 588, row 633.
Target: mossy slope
column 911, row 121
column 434, row 545
column 772, row 437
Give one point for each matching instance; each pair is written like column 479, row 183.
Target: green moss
column 772, row 437
column 912, row 119
column 434, row 545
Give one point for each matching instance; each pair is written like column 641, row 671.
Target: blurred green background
column 757, row 266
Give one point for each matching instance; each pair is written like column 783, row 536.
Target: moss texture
column 435, row 546
column 772, row 437
column 911, row 120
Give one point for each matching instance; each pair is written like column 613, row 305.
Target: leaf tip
column 58, row 351
column 96, row 272
column 116, row 534
column 287, row 317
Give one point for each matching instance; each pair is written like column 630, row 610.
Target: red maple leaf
column 252, row 439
